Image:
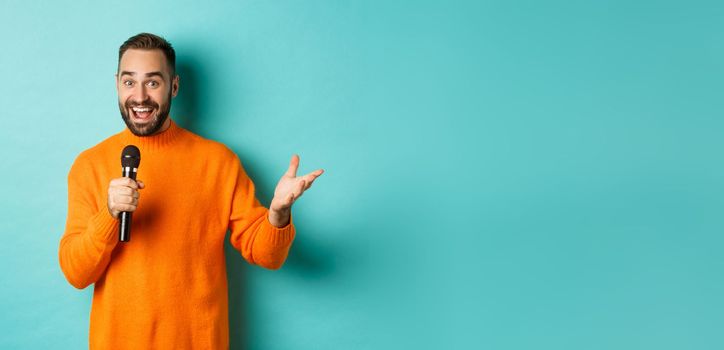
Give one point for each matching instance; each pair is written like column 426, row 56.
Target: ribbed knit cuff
column 281, row 236
column 103, row 227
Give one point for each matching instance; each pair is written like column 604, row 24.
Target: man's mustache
column 149, row 103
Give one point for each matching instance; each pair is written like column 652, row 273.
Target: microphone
column 130, row 159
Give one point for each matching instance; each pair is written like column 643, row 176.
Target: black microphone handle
column 124, row 230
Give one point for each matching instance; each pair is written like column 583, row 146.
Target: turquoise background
column 500, row 174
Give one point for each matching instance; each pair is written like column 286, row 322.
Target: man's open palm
column 291, row 186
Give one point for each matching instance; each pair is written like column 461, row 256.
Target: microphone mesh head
column 130, row 157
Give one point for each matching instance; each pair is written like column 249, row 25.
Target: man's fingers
column 308, row 180
column 126, row 191
column 122, row 200
column 312, row 176
column 315, row 173
column 300, row 189
column 126, row 200
column 125, row 207
column 124, row 182
column 293, row 166
column 123, row 195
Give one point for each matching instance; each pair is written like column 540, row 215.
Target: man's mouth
column 142, row 113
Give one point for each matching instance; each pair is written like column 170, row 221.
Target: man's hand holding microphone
column 123, row 194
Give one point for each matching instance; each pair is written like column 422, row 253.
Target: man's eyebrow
column 156, row 73
column 149, row 74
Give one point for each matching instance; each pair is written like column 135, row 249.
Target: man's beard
column 152, row 126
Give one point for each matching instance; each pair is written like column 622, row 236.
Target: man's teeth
column 146, row 109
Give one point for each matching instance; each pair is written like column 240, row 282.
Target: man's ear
column 175, row 85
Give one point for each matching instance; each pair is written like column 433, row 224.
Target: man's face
column 145, row 89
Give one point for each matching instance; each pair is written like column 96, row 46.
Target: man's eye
column 152, row 83
column 128, row 83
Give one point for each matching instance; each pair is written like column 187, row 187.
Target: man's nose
column 141, row 94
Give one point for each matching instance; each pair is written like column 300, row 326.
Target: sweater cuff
column 281, row 236
column 103, row 226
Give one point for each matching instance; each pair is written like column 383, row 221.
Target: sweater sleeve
column 252, row 234
column 88, row 241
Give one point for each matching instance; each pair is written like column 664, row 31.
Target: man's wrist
column 279, row 218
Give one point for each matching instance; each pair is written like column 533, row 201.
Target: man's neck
column 164, row 127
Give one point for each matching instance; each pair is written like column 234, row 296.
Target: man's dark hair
column 148, row 41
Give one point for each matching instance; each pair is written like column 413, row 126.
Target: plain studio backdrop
column 500, row 174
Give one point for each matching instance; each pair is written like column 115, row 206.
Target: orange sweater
column 167, row 287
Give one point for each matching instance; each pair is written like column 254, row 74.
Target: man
column 167, row 287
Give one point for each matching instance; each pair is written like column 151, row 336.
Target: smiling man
column 167, row 287
column 144, row 115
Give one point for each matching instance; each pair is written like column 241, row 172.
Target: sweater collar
column 153, row 142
